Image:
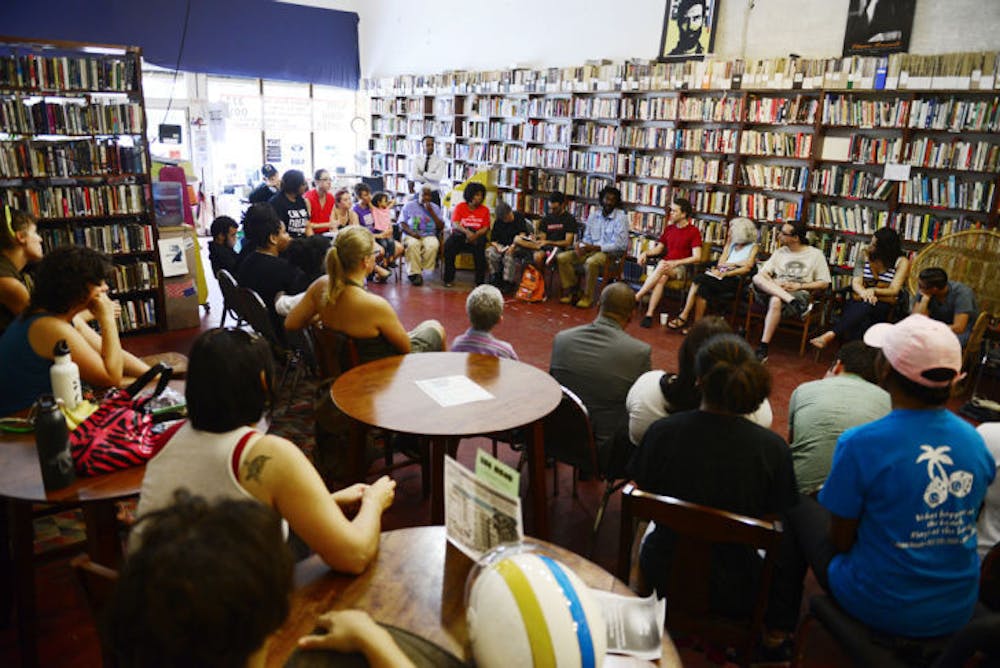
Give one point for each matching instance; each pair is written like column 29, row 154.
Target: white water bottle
column 65, row 376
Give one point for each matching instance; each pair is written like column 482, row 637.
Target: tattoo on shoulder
column 255, row 467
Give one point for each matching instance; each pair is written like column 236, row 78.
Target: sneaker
column 567, row 299
column 646, row 322
column 802, row 306
column 448, row 284
column 761, row 354
column 586, row 302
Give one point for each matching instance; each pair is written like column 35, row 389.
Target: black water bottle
column 52, row 441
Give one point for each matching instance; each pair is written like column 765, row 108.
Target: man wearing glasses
column 428, row 170
column 786, row 280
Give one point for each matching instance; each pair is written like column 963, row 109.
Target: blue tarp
column 253, row 38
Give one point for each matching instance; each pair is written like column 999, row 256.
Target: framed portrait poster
column 878, row 27
column 688, row 29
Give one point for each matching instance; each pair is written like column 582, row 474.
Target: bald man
column 599, row 362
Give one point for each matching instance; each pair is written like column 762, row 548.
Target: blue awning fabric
column 252, row 38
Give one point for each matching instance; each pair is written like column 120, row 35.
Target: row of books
column 37, row 159
column 545, row 132
column 779, row 144
column 645, row 165
column 925, row 228
column 595, row 107
column 957, row 154
column 649, row 109
column 774, row 177
column 702, row 170
column 900, row 70
column 134, row 276
column 955, row 115
column 847, row 109
column 70, row 117
column 758, row 206
column 713, row 140
column 875, row 150
column 648, row 194
column 848, row 182
column 397, row 145
column 596, row 134
column 947, row 191
column 853, row 218
column 714, row 202
column 68, row 73
column 499, row 107
column 782, row 110
column 137, row 314
column 114, row 239
column 723, row 109
column 592, row 161
column 67, row 201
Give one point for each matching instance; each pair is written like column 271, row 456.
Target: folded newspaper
column 634, row 625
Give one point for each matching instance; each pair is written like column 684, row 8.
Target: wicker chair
column 971, row 257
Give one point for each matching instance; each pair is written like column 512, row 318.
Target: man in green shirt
column 821, row 410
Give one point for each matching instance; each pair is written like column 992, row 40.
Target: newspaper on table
column 634, row 625
column 478, row 516
column 453, row 390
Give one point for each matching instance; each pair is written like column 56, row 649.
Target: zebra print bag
column 120, row 434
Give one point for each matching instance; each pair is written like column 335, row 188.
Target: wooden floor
column 67, row 635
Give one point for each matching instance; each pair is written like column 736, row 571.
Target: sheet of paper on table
column 634, row 625
column 453, row 390
column 477, row 516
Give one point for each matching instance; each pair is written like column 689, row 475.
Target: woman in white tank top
column 217, row 454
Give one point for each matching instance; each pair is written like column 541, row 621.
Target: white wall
column 429, row 36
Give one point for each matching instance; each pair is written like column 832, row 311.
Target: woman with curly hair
column 70, row 289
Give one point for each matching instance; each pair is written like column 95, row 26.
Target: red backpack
column 532, row 287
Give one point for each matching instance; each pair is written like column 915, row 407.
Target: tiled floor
column 67, row 634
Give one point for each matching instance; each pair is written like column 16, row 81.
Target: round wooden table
column 20, row 488
column 417, row 584
column 384, row 394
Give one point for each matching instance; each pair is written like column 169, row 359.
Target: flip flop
column 676, row 322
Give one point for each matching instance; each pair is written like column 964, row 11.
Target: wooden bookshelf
column 813, row 153
column 73, row 153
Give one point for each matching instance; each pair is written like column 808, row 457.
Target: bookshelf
column 772, row 140
column 73, row 153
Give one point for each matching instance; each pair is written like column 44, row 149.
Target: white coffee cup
column 663, row 319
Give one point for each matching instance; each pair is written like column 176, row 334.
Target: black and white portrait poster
column 878, row 27
column 688, row 29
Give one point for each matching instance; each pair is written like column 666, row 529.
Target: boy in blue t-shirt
column 902, row 496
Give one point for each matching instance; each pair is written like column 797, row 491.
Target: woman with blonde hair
column 340, row 301
column 20, row 245
column 723, row 280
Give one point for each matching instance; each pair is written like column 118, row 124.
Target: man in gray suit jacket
column 599, row 362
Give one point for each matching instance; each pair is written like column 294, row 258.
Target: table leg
column 22, row 541
column 440, row 446
column 103, row 542
column 6, row 570
column 536, row 472
column 356, row 455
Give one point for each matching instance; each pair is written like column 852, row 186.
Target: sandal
column 676, row 322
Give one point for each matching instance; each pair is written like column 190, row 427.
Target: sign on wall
column 688, row 29
column 877, row 27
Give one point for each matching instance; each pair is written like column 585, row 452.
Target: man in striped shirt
column 484, row 306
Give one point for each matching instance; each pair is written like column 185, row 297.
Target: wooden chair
column 971, row 257
column 336, row 353
column 97, row 583
column 806, row 327
column 228, row 287
column 698, row 529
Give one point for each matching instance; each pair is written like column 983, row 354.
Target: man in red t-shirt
column 470, row 223
column 679, row 245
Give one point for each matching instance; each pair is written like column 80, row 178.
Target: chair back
column 568, row 434
column 698, row 529
column 97, row 583
column 335, row 351
column 251, row 308
column 230, row 298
